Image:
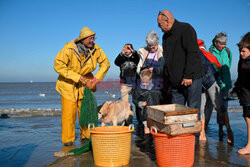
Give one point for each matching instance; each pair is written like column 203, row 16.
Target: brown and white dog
column 115, row 112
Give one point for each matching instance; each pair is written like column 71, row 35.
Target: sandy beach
column 32, row 141
column 30, row 131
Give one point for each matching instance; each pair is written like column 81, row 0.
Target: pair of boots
column 68, row 144
column 146, row 144
column 83, row 141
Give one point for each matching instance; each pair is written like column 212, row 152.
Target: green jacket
column 224, row 76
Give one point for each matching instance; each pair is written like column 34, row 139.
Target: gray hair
column 152, row 38
column 220, row 38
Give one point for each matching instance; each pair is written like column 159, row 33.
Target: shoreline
column 43, row 112
column 28, row 112
column 33, row 142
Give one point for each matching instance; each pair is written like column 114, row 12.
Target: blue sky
column 32, row 32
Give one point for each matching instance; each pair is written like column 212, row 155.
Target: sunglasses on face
column 160, row 13
column 92, row 38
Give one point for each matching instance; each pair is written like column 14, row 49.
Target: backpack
column 211, row 58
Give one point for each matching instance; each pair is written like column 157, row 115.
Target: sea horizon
column 25, row 99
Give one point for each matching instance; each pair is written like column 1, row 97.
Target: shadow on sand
column 16, row 155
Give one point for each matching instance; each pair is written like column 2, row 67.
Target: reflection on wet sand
column 86, row 160
column 218, row 154
column 33, row 142
column 17, row 155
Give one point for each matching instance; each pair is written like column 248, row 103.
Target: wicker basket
column 111, row 145
column 172, row 151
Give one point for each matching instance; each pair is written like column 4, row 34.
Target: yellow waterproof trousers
column 68, row 119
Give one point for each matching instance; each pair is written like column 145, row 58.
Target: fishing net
column 89, row 114
column 85, row 148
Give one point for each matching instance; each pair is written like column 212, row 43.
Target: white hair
column 152, row 38
column 220, row 38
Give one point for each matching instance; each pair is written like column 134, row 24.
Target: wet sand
column 32, row 142
column 41, row 112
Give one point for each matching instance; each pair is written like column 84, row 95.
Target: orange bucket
column 173, row 151
column 111, row 145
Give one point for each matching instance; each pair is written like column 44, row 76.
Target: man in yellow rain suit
column 74, row 64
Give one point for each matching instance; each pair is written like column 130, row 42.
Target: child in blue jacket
column 146, row 94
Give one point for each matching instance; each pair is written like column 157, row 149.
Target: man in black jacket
column 127, row 60
column 183, row 65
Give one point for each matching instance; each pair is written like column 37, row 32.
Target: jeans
column 190, row 94
column 221, row 110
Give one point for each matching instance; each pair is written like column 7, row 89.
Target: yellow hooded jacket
column 70, row 67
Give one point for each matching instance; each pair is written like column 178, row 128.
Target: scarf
column 82, row 49
column 150, row 86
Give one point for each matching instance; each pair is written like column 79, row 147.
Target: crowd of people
column 180, row 71
column 184, row 66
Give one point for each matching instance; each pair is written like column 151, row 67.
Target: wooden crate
column 176, row 129
column 172, row 114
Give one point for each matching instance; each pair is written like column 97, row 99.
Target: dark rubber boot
column 68, row 144
column 84, row 140
column 147, row 139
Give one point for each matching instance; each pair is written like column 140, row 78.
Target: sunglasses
column 160, row 13
column 91, row 38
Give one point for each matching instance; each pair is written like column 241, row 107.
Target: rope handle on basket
column 131, row 126
column 152, row 128
column 91, row 125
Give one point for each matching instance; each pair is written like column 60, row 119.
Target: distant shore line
column 43, row 112
column 28, row 112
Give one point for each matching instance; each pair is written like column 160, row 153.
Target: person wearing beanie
column 75, row 64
